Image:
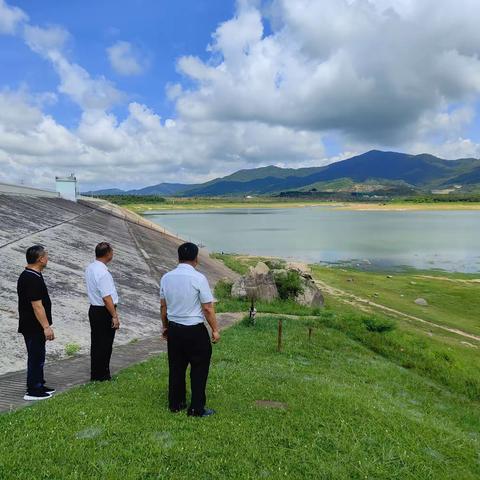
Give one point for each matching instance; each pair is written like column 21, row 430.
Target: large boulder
column 258, row 284
column 311, row 295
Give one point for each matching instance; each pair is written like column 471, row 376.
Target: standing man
column 35, row 318
column 102, row 313
column 186, row 301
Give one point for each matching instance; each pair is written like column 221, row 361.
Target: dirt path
column 446, row 279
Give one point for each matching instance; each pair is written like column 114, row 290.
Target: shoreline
column 145, row 209
column 433, row 273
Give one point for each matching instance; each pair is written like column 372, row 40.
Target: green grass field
column 367, row 396
column 348, row 413
column 449, row 358
column 453, row 299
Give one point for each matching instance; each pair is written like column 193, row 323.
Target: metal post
column 280, row 326
column 310, row 329
column 253, row 312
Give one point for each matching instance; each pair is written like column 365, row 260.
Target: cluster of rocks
column 260, row 283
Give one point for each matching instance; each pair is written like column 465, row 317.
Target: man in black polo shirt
column 35, row 320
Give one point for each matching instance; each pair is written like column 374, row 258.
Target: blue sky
column 162, row 30
column 128, row 94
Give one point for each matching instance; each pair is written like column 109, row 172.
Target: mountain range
column 372, row 171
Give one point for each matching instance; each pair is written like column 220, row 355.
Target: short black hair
column 102, row 249
column 187, row 252
column 34, row 253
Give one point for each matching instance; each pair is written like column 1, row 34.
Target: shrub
column 289, row 285
column 374, row 324
column 275, row 264
column 72, row 349
column 223, row 289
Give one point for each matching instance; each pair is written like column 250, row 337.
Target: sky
column 133, row 93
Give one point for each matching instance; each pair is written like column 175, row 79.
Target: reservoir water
column 447, row 240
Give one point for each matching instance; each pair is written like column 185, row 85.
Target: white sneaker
column 37, row 396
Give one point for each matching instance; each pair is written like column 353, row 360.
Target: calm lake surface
column 446, row 240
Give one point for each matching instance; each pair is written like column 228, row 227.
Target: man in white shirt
column 102, row 313
column 186, row 301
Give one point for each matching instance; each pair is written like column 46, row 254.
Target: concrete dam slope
column 70, row 231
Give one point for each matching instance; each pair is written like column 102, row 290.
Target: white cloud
column 367, row 73
column 89, row 93
column 367, row 69
column 45, row 40
column 140, row 150
column 125, row 60
column 10, row 18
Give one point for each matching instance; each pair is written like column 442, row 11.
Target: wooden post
column 310, row 333
column 279, row 344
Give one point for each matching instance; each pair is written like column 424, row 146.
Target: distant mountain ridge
column 159, row 189
column 421, row 172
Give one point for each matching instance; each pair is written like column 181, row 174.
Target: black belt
column 179, row 325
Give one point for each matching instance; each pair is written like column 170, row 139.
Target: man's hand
column 48, row 332
column 115, row 323
column 165, row 333
column 215, row 336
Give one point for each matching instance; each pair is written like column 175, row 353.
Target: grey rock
column 311, row 295
column 239, row 288
column 421, row 301
column 260, row 269
column 259, row 284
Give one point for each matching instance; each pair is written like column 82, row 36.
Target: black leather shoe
column 180, row 407
column 207, row 412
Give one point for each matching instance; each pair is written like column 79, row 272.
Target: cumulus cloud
column 89, row 93
column 10, row 18
column 368, row 69
column 125, row 60
column 139, row 150
column 367, row 73
column 45, row 40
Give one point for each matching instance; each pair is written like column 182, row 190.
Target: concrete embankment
column 70, row 231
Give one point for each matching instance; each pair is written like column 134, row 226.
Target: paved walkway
column 66, row 373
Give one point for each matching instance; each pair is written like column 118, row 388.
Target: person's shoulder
column 166, row 275
column 22, row 278
column 29, row 279
column 30, row 276
column 200, row 276
column 90, row 266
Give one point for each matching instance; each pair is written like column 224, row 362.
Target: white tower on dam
column 67, row 187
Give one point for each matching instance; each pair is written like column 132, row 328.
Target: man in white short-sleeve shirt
column 186, row 302
column 102, row 314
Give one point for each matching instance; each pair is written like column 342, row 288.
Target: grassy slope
column 351, row 415
column 445, row 357
column 452, row 303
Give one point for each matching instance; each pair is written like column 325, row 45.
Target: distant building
column 67, row 187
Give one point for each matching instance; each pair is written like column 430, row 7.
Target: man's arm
column 41, row 315
column 163, row 313
column 209, row 312
column 110, row 306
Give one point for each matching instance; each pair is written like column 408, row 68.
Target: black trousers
column 188, row 345
column 35, row 343
column 102, row 335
